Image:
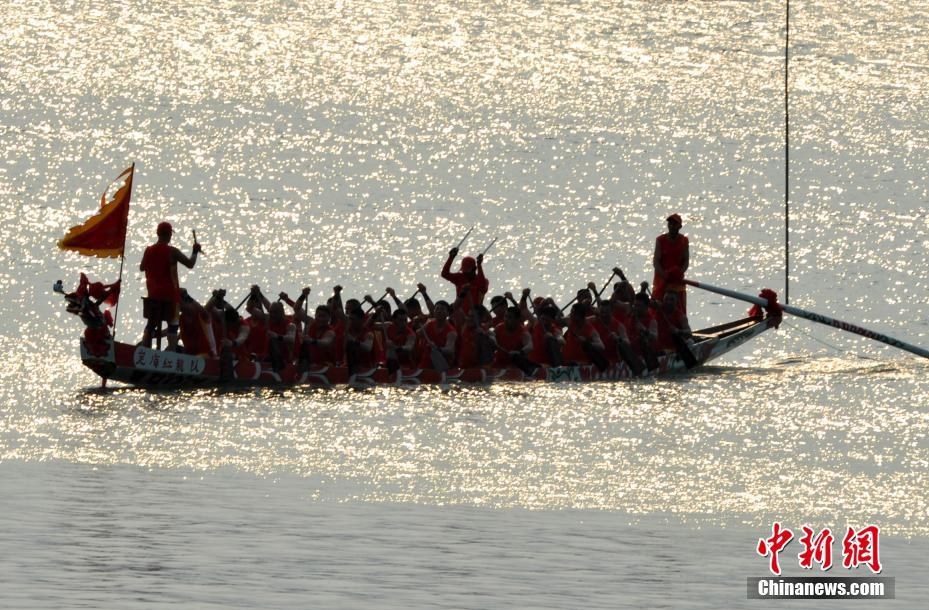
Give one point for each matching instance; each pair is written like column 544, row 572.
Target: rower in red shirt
column 319, row 341
column 282, row 334
column 359, row 344
column 671, row 250
column 671, row 321
column 643, row 331
column 547, row 341
column 580, row 336
column 514, row 341
column 401, row 339
column 610, row 330
column 196, row 329
column 471, row 274
column 442, row 334
column 476, row 344
column 159, row 263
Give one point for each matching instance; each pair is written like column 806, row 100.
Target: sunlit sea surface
column 355, row 142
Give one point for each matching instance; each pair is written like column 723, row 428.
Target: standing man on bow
column 672, row 256
column 159, row 263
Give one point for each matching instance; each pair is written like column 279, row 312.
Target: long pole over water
column 816, row 317
column 787, row 157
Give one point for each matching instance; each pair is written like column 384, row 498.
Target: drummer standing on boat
column 672, row 257
column 164, row 296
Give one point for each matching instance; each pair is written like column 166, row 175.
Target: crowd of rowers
column 525, row 332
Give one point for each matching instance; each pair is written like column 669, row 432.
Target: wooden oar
column 610, row 279
column 439, row 361
column 598, row 293
column 488, row 246
column 242, row 302
column 195, row 241
column 816, row 317
column 458, row 247
column 374, row 304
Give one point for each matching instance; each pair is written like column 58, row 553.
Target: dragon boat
column 141, row 366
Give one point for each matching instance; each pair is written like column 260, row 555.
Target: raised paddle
column 816, row 317
column 489, row 246
column 195, row 241
column 461, row 243
column 374, row 303
column 598, row 293
column 610, row 279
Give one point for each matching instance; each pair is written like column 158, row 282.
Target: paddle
column 816, row 317
column 439, row 362
column 374, row 303
column 489, row 246
column 598, row 293
column 610, row 279
column 458, row 247
column 195, row 241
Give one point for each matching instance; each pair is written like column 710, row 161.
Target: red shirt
column 439, row 336
column 194, row 335
column 539, row 355
column 479, row 285
column 467, row 348
column 281, row 329
column 675, row 318
column 573, row 352
column 365, row 359
column 606, row 333
column 398, row 335
column 633, row 329
column 320, row 354
column 161, row 273
column 671, row 253
column 510, row 341
column 257, row 341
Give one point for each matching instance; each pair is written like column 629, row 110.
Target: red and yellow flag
column 104, row 233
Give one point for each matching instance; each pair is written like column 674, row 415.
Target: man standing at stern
column 672, row 250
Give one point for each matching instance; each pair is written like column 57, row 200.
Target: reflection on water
column 724, row 445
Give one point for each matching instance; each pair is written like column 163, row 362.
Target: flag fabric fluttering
column 104, row 234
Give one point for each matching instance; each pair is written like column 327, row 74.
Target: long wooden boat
column 144, row 367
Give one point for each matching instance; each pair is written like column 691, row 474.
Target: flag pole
column 122, row 256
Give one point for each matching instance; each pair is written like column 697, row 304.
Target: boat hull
column 144, row 367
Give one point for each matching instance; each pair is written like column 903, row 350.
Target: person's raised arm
column 430, row 306
column 338, row 311
column 447, row 268
column 180, row 257
column 396, row 300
